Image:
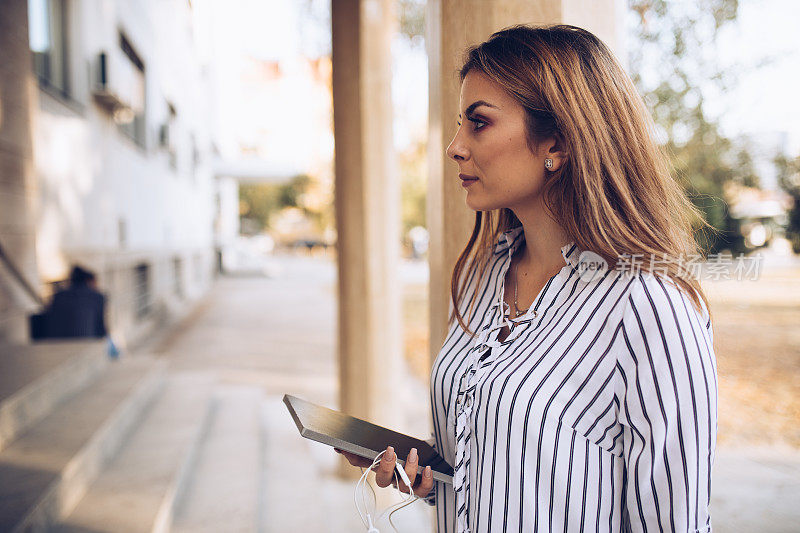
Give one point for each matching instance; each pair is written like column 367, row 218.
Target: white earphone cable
column 364, row 514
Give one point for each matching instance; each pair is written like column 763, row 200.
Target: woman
column 576, row 389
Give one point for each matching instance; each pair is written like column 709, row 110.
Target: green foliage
column 259, row 201
column 413, row 186
column 789, row 180
column 317, row 14
column 411, row 16
column 675, row 67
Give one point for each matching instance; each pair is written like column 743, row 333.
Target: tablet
column 360, row 437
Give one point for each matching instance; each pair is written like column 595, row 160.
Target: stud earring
column 548, row 163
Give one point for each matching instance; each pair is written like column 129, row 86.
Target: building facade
column 121, row 176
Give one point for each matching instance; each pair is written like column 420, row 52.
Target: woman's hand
column 384, row 471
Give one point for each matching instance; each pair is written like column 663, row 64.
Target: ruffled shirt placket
column 464, row 405
column 486, row 340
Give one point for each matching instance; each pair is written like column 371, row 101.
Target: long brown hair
column 615, row 194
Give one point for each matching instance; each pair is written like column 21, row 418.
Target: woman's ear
column 555, row 149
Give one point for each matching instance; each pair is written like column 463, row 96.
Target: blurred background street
column 757, row 344
column 277, row 335
column 205, row 205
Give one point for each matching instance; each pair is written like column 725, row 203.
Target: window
column 195, row 158
column 135, row 129
column 142, row 296
column 177, row 276
column 47, row 35
column 168, row 134
column 122, row 233
column 199, row 269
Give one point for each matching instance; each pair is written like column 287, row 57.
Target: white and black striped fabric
column 598, row 412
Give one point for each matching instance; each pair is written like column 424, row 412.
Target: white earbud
column 372, row 528
column 366, row 517
column 404, row 476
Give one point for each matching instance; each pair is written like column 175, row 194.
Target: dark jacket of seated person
column 78, row 311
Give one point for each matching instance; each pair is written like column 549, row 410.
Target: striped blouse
column 598, row 412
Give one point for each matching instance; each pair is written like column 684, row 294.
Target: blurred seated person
column 79, row 310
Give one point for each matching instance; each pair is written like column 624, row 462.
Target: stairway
column 223, row 490
column 91, row 444
column 70, row 413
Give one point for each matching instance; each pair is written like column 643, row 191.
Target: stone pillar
column 367, row 209
column 452, row 26
column 18, row 97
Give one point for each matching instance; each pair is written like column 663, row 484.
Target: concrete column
column 452, row 26
column 18, row 97
column 367, row 208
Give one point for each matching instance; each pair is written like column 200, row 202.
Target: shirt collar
column 511, row 239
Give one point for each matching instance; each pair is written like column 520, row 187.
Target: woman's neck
column 540, row 253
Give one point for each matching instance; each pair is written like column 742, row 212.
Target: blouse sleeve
column 667, row 385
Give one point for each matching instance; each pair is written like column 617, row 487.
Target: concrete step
column 223, row 491
column 47, row 469
column 304, row 492
column 138, row 490
column 35, row 378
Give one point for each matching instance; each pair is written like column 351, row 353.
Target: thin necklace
column 516, row 286
column 517, row 310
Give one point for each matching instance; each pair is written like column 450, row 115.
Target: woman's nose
column 456, row 150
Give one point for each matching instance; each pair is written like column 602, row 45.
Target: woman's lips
column 467, row 180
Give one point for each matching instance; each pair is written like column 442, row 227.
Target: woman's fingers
column 425, row 484
column 355, row 460
column 412, row 462
column 385, row 471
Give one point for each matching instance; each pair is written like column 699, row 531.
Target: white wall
column 228, row 214
column 93, row 178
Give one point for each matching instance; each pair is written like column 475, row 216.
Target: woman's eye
column 475, row 120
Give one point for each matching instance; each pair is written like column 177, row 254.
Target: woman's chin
column 472, row 205
column 477, row 205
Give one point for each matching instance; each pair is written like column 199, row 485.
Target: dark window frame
column 177, row 273
column 44, row 63
column 137, row 129
column 142, row 279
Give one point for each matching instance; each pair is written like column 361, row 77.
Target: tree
column 675, row 67
column 259, row 201
column 413, row 186
column 789, row 180
column 411, row 17
column 316, row 14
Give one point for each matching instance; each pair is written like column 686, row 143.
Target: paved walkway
column 278, row 334
column 756, row 489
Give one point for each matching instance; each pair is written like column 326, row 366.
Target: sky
column 764, row 103
column 766, row 99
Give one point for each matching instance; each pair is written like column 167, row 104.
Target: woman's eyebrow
column 475, row 104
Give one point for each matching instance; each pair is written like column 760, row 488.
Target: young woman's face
column 490, row 145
